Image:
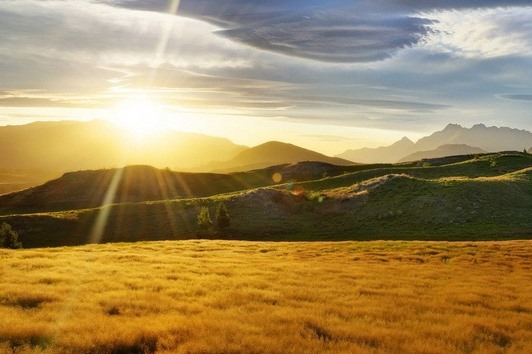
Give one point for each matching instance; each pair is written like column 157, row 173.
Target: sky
column 326, row 75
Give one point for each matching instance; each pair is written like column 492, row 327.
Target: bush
column 8, row 237
column 204, row 218
column 222, row 216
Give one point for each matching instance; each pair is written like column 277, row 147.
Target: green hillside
column 481, row 198
column 88, row 189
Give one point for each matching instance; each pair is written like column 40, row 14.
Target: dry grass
column 244, row 297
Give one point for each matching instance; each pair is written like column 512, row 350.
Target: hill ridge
column 272, row 153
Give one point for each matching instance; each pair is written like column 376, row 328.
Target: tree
column 8, row 237
column 222, row 216
column 204, row 218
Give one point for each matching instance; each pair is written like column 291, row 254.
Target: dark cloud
column 376, row 103
column 334, row 31
column 523, row 98
column 332, row 37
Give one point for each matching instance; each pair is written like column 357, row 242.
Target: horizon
column 328, row 76
column 151, row 139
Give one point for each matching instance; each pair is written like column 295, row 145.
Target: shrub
column 204, row 218
column 8, row 237
column 222, row 216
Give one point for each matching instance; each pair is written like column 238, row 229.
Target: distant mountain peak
column 403, row 143
column 455, row 138
column 478, row 126
column 406, row 140
column 452, row 126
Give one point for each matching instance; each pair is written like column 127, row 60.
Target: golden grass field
column 265, row 297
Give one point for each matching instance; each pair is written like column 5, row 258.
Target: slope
column 489, row 197
column 92, row 188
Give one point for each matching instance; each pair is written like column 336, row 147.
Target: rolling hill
column 140, row 183
column 269, row 154
column 484, row 197
column 442, row 151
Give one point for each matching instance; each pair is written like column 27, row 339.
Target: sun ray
column 103, row 214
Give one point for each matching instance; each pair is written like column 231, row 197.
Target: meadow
column 204, row 296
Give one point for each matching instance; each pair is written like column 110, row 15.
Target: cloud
column 270, row 96
column 339, row 31
column 73, row 46
column 84, row 31
column 513, row 97
column 78, row 53
column 38, row 99
column 332, row 37
column 482, row 33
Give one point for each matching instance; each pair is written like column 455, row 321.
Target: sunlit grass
column 245, row 297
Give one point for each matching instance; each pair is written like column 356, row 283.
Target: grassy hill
column 484, row 198
column 87, row 189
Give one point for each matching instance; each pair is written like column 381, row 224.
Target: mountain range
column 66, row 146
column 72, row 145
column 465, row 140
column 58, row 147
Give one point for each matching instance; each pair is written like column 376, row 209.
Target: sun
column 140, row 116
